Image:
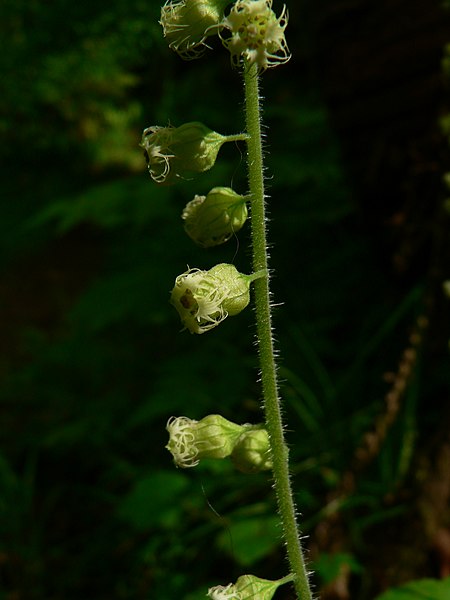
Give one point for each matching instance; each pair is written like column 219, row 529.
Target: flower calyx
column 213, row 219
column 251, row 453
column 204, row 299
column 256, row 34
column 188, row 23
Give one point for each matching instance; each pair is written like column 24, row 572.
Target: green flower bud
column 251, row 454
column 248, row 587
column 190, row 441
column 211, row 220
column 256, row 34
column 176, row 152
column 187, row 24
column 204, row 299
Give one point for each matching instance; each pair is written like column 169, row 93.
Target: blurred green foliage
column 424, row 588
column 91, row 356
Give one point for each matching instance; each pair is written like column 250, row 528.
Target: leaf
column 250, row 540
column 329, row 566
column 154, row 500
column 423, row 589
column 111, row 205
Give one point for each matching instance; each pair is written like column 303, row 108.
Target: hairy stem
column 272, row 407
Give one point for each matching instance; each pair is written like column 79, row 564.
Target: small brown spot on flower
column 187, row 299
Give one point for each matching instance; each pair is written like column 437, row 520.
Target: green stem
column 238, row 137
column 269, row 381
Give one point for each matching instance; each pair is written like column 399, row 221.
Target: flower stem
column 269, row 381
column 238, row 137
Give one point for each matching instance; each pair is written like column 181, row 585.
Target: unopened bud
column 204, row 299
column 212, row 219
column 177, row 152
column 211, row 437
column 187, row 24
column 248, row 587
column 251, row 454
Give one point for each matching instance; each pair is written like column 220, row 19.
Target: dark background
column 92, row 362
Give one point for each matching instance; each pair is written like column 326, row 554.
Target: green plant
column 254, row 35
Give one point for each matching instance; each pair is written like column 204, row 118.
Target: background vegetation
column 92, row 362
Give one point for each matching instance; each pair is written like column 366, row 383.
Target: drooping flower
column 248, row 587
column 177, row 152
column 204, row 299
column 256, row 34
column 212, row 219
column 187, row 23
column 211, row 437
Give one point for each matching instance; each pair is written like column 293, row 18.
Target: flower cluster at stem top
column 253, row 33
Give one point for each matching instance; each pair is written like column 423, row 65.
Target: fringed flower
column 256, row 34
column 188, row 23
column 177, row 152
column 224, row 592
column 211, row 437
column 204, row 299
